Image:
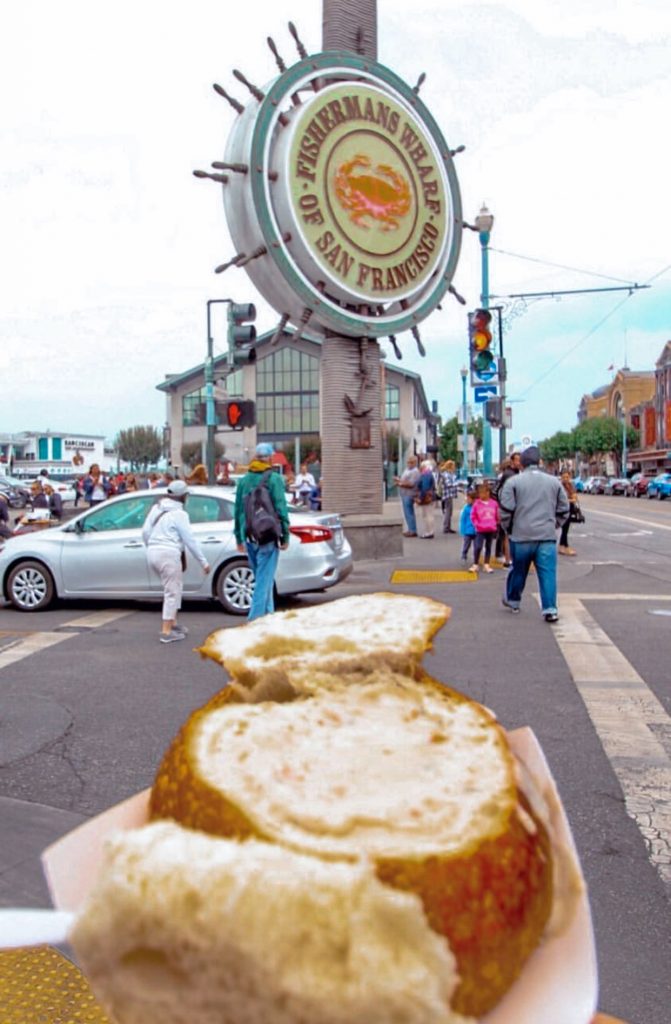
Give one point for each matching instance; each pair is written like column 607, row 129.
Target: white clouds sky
column 109, row 243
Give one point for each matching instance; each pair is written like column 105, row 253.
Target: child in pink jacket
column 485, row 518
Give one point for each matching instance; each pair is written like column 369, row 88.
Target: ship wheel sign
column 344, row 205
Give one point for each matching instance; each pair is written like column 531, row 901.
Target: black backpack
column 262, row 523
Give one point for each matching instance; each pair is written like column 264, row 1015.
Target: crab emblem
column 383, row 194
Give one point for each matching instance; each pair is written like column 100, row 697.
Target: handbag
column 575, row 513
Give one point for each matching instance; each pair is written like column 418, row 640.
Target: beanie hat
column 177, row 489
column 530, row 456
column 264, row 450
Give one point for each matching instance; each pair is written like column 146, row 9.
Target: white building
column 61, row 454
column 284, row 384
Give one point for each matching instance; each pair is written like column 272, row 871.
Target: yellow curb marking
column 429, row 576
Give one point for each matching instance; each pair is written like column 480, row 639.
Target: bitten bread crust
column 490, row 899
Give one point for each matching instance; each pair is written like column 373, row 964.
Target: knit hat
column 530, row 456
column 264, row 450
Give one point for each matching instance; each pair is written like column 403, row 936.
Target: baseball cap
column 264, row 450
column 177, row 489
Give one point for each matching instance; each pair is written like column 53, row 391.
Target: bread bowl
column 399, row 771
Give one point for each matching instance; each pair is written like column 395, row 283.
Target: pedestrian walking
column 466, row 528
column 263, row 555
column 533, row 505
column 485, row 517
column 407, row 485
column 425, row 500
column 572, row 495
column 448, row 492
column 166, row 534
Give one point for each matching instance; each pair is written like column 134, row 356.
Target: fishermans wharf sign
column 350, row 215
column 368, row 193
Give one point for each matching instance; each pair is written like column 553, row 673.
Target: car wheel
column 30, row 587
column 235, row 586
column 660, row 495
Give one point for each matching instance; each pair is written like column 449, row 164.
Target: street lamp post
column 484, row 223
column 464, row 425
column 624, row 443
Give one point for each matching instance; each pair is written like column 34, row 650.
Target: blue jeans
column 263, row 560
column 408, row 502
column 543, row 554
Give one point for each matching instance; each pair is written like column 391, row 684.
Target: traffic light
column 237, row 413
column 241, row 333
column 484, row 369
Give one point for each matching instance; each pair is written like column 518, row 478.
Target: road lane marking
column 628, row 719
column 36, row 642
column 629, row 519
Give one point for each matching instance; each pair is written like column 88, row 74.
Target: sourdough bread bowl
column 393, row 770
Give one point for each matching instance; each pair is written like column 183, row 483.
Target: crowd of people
column 515, row 518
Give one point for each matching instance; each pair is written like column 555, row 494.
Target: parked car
column 639, row 484
column 579, row 484
column 17, row 493
column 100, row 555
column 596, row 484
column 660, row 486
column 618, row 485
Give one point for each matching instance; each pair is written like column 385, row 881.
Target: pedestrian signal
column 237, row 414
column 484, row 369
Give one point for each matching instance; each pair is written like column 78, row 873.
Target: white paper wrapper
column 559, row 982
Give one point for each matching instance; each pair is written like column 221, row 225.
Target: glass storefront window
column 287, row 393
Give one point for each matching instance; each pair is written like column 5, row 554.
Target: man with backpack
column 261, row 525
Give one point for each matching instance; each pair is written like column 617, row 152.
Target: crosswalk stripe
column 38, row 641
column 628, row 719
column 629, row 519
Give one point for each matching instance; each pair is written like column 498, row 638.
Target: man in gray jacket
column 533, row 506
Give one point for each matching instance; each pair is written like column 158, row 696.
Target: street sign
column 481, row 392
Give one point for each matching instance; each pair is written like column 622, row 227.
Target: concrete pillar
column 352, row 477
column 350, row 25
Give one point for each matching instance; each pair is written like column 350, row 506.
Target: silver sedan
column 100, row 555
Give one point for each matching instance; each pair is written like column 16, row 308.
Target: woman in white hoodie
column 166, row 534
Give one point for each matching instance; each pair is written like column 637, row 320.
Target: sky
column 108, row 243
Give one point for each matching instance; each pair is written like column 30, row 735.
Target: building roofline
column 174, row 380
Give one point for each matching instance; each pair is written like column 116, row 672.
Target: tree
column 602, row 434
column 448, row 443
column 141, row 446
column 560, row 446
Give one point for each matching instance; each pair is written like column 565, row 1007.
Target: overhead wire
column 589, row 334
column 559, row 266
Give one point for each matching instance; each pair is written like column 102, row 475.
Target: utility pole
column 483, row 224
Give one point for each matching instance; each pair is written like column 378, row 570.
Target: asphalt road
column 89, row 700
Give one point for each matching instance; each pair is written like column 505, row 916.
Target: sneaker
column 507, row 565
column 551, row 617
column 180, row 629
column 474, row 569
column 171, row 637
column 511, row 607
column 488, row 568
column 409, row 533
